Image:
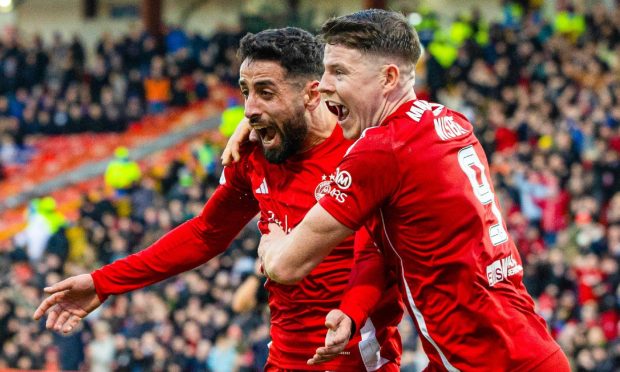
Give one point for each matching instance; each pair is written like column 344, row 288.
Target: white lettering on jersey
column 223, row 177
column 418, row 107
column 325, row 188
column 338, row 195
column 272, row 218
column 417, row 110
column 447, row 128
column 437, row 108
column 342, row 179
column 501, row 269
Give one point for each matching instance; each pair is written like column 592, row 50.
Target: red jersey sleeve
column 367, row 282
column 363, row 181
column 189, row 245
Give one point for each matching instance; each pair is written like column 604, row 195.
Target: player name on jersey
column 447, row 128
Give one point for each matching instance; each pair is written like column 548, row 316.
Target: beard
column 293, row 133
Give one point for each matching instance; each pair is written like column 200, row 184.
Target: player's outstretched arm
column 287, row 259
column 339, row 327
column 69, row 302
column 242, row 133
column 185, row 247
column 366, row 287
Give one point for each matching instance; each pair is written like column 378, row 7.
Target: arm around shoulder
column 287, row 259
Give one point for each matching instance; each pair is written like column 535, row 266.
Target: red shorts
column 388, row 367
column 556, row 362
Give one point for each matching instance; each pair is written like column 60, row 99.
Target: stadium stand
column 49, row 90
column 543, row 93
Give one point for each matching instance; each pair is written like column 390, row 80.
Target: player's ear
column 312, row 97
column 391, row 76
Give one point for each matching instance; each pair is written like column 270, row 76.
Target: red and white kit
column 282, row 194
column 433, row 212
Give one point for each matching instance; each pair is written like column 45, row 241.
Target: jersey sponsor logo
column 262, row 189
column 338, row 195
column 447, row 128
column 342, row 179
column 501, row 269
column 322, row 189
column 272, row 218
column 420, row 106
column 325, row 188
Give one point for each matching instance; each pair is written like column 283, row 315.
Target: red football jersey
column 433, row 211
column 283, row 194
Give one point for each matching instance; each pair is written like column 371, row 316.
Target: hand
column 243, row 132
column 70, row 301
column 267, row 240
column 338, row 335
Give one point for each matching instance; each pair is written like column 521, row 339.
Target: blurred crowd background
column 543, row 94
column 48, row 89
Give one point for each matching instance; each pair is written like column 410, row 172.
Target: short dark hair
column 374, row 31
column 296, row 50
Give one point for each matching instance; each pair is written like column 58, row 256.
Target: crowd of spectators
column 185, row 323
column 545, row 101
column 60, row 87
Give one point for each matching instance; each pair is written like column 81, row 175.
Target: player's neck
column 396, row 99
column 321, row 125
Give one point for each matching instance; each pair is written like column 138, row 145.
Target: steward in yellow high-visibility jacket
column 122, row 173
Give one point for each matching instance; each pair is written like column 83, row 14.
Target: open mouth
column 267, row 133
column 341, row 111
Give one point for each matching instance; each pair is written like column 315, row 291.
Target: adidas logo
column 262, row 189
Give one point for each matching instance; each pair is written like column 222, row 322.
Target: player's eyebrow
column 264, row 83
column 336, row 65
column 261, row 83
